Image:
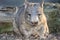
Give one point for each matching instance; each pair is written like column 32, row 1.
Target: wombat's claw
column 35, row 36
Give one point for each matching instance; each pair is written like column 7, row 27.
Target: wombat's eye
column 29, row 14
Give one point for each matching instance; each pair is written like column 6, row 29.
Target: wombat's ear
column 26, row 3
column 41, row 3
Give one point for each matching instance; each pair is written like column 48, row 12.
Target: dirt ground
column 5, row 36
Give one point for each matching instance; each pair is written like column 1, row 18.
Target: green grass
column 5, row 27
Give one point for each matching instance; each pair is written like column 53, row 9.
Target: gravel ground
column 8, row 37
column 5, row 36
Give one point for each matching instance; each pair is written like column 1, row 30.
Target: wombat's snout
column 34, row 23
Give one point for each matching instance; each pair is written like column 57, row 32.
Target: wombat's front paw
column 35, row 36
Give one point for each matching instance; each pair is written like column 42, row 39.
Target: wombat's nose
column 34, row 23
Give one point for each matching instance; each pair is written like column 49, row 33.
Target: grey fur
column 25, row 28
